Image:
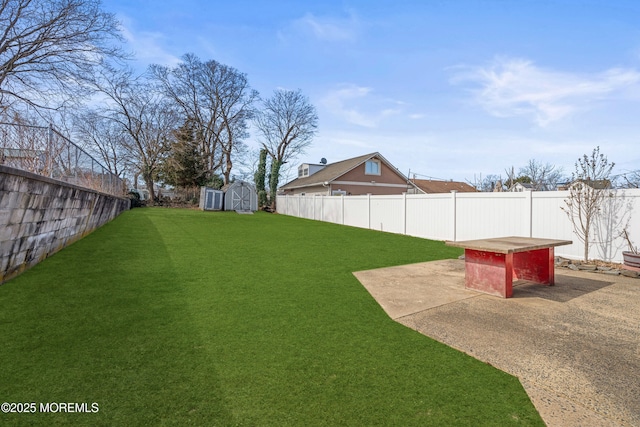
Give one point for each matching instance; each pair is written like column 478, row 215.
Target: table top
column 507, row 245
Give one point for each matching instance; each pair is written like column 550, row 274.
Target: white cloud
column 146, row 45
column 517, row 87
column 357, row 105
column 328, row 29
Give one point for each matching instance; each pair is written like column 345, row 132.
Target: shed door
column 241, row 198
column 217, row 200
column 208, row 204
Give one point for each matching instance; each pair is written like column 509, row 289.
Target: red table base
column 494, row 273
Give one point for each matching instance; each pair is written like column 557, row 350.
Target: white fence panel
column 430, row 216
column 465, row 216
column 618, row 215
column 387, row 213
column 548, row 220
column 284, row 205
column 356, row 211
column 486, row 215
column 331, row 210
column 305, row 207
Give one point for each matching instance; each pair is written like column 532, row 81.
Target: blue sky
column 445, row 89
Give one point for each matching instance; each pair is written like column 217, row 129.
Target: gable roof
column 524, row 185
column 332, row 171
column 236, row 183
column 432, row 186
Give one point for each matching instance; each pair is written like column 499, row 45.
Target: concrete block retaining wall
column 39, row 216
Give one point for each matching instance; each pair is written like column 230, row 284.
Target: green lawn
column 178, row 317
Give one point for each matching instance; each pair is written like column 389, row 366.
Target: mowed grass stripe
column 178, row 317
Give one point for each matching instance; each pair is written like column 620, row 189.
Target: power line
column 427, row 176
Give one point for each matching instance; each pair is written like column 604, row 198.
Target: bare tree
column 104, row 137
column 486, row 184
column 543, row 177
column 631, row 179
column 511, row 177
column 48, row 49
column 587, row 194
column 288, row 123
column 146, row 118
column 218, row 99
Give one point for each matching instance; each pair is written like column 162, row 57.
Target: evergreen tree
column 185, row 166
column 273, row 181
column 259, row 179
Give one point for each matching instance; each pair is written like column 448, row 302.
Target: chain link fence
column 44, row 151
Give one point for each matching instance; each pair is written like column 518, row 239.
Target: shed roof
column 236, row 183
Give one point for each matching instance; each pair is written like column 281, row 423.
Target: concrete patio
column 574, row 346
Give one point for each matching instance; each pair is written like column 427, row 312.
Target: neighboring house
column 598, row 184
column 429, row 186
column 519, row 187
column 368, row 174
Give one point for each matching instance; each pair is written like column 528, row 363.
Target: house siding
column 387, row 176
column 311, row 190
column 379, row 189
column 353, row 182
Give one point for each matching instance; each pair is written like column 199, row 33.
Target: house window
column 372, row 167
column 303, row 171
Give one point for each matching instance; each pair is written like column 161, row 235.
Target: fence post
column 50, row 150
column 404, row 213
column 369, row 211
column 454, row 201
column 529, row 206
column 342, row 206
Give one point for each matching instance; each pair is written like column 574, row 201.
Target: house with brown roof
column 367, row 174
column 429, row 186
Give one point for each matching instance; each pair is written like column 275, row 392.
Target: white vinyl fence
column 466, row 216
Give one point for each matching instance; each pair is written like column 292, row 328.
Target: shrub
column 136, row 201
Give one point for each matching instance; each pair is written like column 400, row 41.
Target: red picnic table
column 491, row 265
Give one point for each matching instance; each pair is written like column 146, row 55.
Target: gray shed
column 240, row 196
column 211, row 199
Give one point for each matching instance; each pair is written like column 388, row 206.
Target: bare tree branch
column 587, row 195
column 218, row 99
column 287, row 123
column 145, row 116
column 49, row 49
column 543, row 177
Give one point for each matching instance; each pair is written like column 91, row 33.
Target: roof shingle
column 432, row 186
column 330, row 172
